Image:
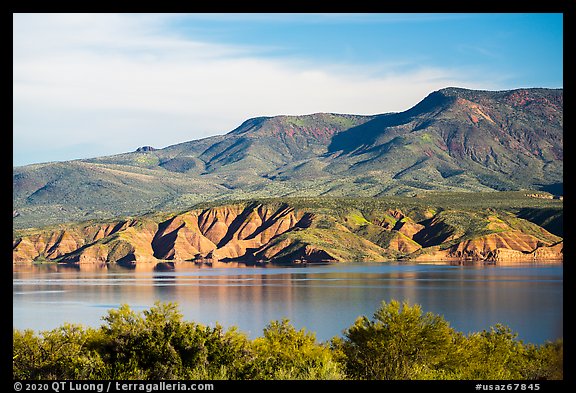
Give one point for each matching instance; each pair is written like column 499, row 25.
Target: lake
column 322, row 298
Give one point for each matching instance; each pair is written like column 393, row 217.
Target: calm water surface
column 325, row 299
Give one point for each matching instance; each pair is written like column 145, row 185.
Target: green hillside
column 453, row 140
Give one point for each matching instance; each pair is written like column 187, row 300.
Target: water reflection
column 325, row 299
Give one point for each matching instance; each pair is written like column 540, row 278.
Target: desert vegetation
column 399, row 342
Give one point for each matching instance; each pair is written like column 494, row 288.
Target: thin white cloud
column 116, row 82
column 326, row 18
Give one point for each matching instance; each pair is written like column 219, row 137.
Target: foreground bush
column 400, row 342
column 403, row 343
column 285, row 353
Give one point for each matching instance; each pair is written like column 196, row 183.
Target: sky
column 88, row 85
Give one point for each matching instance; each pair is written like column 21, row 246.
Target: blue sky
column 87, row 85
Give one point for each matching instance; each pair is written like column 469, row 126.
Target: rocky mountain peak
column 145, row 149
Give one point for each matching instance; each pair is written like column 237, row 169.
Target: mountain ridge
column 454, row 139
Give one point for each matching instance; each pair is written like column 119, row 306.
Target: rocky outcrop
column 542, row 253
column 408, row 227
column 145, row 148
column 125, row 243
column 49, row 245
column 221, row 233
column 403, row 244
column 485, row 247
column 277, row 232
column 552, row 252
column 512, row 247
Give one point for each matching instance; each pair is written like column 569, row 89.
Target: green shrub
column 286, row 353
column 61, row 353
column 400, row 342
column 159, row 345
